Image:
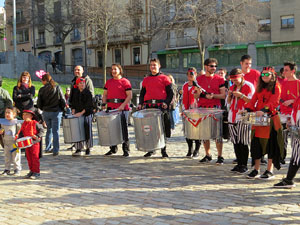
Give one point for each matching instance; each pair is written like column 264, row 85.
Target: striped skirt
column 240, row 133
column 295, row 158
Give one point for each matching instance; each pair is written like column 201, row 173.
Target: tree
column 104, row 18
column 211, row 17
column 58, row 18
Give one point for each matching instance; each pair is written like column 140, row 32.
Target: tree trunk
column 63, row 49
column 201, row 47
column 104, row 58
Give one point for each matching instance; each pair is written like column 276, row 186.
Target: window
column 287, row 21
column 118, row 56
column 100, row 59
column 172, row 61
column 264, row 25
column 22, row 36
column 192, row 59
column 57, row 9
column 136, row 55
column 19, row 16
column 263, row 0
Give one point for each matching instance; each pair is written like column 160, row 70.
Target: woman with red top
column 117, row 94
column 189, row 102
column 290, row 91
column 266, row 139
column 239, row 94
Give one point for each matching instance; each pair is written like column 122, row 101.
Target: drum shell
column 149, row 131
column 73, row 129
column 109, row 128
column 208, row 128
column 252, row 119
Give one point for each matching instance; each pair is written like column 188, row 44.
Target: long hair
column 47, row 77
column 237, row 71
column 24, row 74
column 269, row 86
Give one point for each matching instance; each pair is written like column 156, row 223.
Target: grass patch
column 9, row 84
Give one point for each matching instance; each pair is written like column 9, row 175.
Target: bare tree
column 209, row 18
column 59, row 19
column 104, row 18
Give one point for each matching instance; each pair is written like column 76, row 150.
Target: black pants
column 242, row 153
column 292, row 171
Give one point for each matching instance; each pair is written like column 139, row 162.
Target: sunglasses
column 212, row 66
column 265, row 74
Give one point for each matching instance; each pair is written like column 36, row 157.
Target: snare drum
column 24, row 142
column 252, row 119
column 73, row 129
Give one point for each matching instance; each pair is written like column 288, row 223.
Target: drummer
column 213, row 90
column 266, row 139
column 239, row 94
column 82, row 105
column 294, row 166
column 157, row 92
column 290, row 89
column 189, row 102
column 117, row 94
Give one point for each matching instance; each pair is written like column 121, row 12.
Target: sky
column 2, row 3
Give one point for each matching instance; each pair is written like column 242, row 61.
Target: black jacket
column 49, row 98
column 82, row 100
column 26, row 95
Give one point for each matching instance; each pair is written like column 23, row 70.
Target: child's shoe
column 28, row 175
column 35, row 176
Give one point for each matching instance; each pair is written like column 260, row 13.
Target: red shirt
column 289, row 90
column 264, row 99
column 210, row 85
column 156, row 87
column 252, row 76
column 187, row 96
column 281, row 80
column 117, row 89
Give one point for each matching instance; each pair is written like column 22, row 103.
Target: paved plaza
column 136, row 190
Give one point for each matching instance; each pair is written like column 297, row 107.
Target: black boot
column 164, row 152
column 190, row 146
column 113, row 150
column 197, row 147
column 148, row 154
column 125, row 147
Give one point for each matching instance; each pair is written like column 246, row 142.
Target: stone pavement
column 137, row 190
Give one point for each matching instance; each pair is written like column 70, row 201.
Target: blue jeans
column 53, row 120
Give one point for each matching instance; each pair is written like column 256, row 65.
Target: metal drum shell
column 109, row 128
column 252, row 119
column 208, row 128
column 149, row 130
column 73, row 129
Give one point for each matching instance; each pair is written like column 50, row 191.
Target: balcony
column 181, row 42
column 75, row 37
column 40, row 43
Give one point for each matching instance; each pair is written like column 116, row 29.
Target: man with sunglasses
column 290, row 91
column 214, row 86
column 251, row 75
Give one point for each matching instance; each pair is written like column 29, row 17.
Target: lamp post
column 15, row 38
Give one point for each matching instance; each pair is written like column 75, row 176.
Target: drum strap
column 115, row 100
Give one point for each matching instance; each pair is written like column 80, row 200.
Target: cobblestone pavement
column 137, row 190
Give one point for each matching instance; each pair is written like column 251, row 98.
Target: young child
column 9, row 128
column 31, row 128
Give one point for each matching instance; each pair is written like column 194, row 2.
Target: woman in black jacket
column 23, row 93
column 52, row 102
column 82, row 105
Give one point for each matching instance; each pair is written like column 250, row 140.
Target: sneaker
column 243, row 170
column 253, row 174
column 285, row 183
column 28, row 175
column 35, row 176
column 55, row 153
column 263, row 162
column 88, row 152
column 267, row 175
column 17, row 172
column 125, row 154
column 206, row 159
column 234, row 161
column 235, row 169
column 113, row 150
column 164, row 154
column 148, row 154
column 189, row 154
column 220, row 160
column 5, row 173
column 49, row 151
column 77, row 153
column 195, row 154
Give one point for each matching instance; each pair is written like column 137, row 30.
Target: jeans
column 53, row 120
